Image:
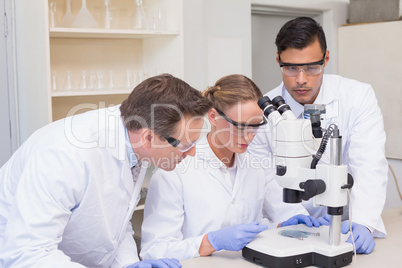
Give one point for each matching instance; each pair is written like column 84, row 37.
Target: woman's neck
column 224, row 154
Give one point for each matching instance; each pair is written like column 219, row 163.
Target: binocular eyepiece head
column 277, row 104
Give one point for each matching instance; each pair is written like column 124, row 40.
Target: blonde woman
column 220, row 199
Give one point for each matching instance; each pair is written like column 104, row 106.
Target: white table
column 387, row 253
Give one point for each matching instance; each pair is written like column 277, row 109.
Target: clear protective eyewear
column 309, row 69
column 242, row 129
column 182, row 147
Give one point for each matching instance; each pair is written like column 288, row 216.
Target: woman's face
column 236, row 138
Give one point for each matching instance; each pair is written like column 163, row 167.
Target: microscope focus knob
column 312, row 188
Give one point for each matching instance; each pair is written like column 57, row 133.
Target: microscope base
column 273, row 250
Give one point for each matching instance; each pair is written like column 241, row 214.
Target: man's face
column 188, row 131
column 303, row 88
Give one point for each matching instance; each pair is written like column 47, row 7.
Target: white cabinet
column 90, row 68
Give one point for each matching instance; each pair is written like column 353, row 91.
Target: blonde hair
column 230, row 90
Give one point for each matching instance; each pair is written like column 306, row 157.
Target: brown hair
column 160, row 102
column 230, row 90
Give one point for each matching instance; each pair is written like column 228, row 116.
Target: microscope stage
column 283, row 248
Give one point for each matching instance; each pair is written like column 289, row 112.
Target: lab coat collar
column 205, row 153
column 215, row 166
column 116, row 134
column 120, row 151
column 132, row 158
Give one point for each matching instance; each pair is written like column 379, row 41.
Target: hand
column 325, row 220
column 300, row 218
column 235, row 237
column 364, row 241
column 161, row 263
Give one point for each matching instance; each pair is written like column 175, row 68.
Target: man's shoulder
column 343, row 83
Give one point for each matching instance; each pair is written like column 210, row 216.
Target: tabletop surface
column 387, row 252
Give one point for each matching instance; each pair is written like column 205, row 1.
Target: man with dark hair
column 302, row 56
column 68, row 193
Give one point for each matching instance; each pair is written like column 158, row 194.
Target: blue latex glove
column 325, row 220
column 300, row 218
column 235, row 237
column 161, row 263
column 364, row 241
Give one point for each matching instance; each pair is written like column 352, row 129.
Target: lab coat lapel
column 126, row 177
column 241, row 171
column 331, row 101
column 117, row 142
column 205, row 154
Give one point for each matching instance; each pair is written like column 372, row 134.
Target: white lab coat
column 352, row 105
column 185, row 204
column 67, row 196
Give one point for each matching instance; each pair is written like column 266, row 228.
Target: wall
column 216, row 42
column 361, row 56
column 335, row 13
column 30, row 37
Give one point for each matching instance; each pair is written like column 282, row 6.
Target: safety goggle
column 309, row 69
column 241, row 129
column 182, row 147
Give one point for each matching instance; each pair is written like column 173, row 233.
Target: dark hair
column 230, row 90
column 160, row 102
column 300, row 33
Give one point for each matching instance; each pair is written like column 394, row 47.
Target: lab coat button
column 234, row 201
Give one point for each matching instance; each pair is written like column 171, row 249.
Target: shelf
column 73, row 93
column 106, row 33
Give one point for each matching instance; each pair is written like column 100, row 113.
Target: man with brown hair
column 302, row 55
column 67, row 195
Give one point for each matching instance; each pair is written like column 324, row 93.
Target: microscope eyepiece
column 264, row 102
column 266, row 106
column 278, row 101
column 281, row 105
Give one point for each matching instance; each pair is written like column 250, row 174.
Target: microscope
column 297, row 147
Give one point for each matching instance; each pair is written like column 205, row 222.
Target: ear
column 212, row 114
column 146, row 137
column 326, row 58
column 277, row 57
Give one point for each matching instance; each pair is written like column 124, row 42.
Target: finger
column 345, row 227
column 327, row 218
column 349, row 240
column 359, row 241
column 158, row 264
column 176, row 261
column 306, row 220
column 368, row 243
column 323, row 221
column 370, row 248
column 291, row 221
column 315, row 222
column 255, row 228
column 262, row 227
column 143, row 264
column 172, row 263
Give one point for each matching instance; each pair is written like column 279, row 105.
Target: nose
column 301, row 77
column 250, row 136
column 190, row 152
